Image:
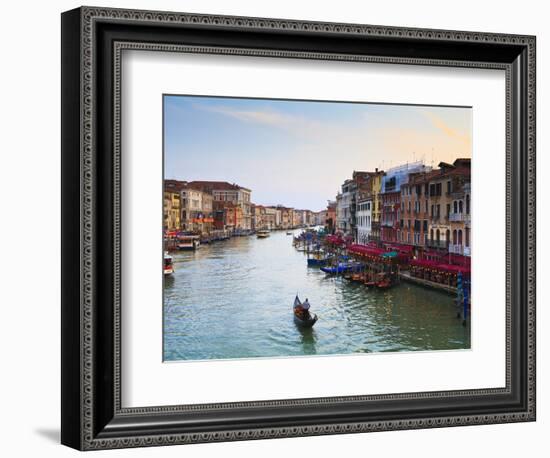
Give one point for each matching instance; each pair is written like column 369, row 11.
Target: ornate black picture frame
column 92, row 42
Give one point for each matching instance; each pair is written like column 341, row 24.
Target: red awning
column 436, row 265
column 453, row 268
column 424, row 263
column 335, row 239
column 400, row 247
column 365, row 250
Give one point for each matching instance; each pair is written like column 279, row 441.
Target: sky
column 298, row 153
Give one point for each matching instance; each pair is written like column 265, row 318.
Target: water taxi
column 188, row 242
column 168, row 266
column 262, row 234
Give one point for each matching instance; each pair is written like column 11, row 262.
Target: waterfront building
column 415, row 206
column 389, row 224
column 287, row 217
column 460, row 219
column 222, row 191
column 192, row 212
column 204, row 221
column 278, row 220
column 270, row 218
column 303, row 217
column 344, row 202
column 367, row 186
column 227, row 216
column 256, row 217
column 449, row 179
column 376, row 189
column 263, row 217
column 195, row 206
column 390, row 199
column 320, row 218
column 171, row 210
column 364, row 218
column 330, row 222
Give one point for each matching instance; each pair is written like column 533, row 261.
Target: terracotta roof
column 216, row 186
column 174, row 185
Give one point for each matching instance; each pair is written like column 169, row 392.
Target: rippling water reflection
column 234, row 299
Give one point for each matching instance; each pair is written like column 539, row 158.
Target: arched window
column 437, row 236
column 467, row 237
column 455, row 207
column 460, row 207
column 431, row 235
column 454, row 237
column 467, row 204
column 448, row 237
column 460, row 236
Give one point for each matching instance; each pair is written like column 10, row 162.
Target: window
column 425, row 225
column 455, row 208
column 460, row 206
column 448, row 209
column 448, row 187
column 467, row 234
column 467, row 204
column 438, row 210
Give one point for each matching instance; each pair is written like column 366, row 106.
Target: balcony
column 459, row 217
column 437, row 244
column 459, row 249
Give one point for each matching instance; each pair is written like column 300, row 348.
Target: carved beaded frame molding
column 92, row 415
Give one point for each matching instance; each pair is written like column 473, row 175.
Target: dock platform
column 406, row 276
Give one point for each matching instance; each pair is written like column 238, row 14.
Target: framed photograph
column 277, row 228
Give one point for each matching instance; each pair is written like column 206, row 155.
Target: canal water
column 233, row 299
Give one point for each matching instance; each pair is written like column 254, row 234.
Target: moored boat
column 168, row 265
column 384, row 281
column 188, row 242
column 342, row 268
column 317, row 262
column 262, row 234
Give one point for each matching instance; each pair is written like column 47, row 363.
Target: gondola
column 303, row 322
